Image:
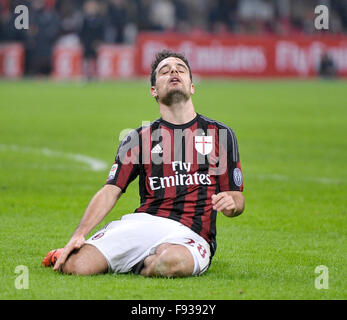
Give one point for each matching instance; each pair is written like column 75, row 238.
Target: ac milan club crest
column 203, row 144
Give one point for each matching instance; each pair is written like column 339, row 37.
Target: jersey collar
column 179, row 126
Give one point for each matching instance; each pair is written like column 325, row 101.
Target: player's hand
column 224, row 202
column 76, row 242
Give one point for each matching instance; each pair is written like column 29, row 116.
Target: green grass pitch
column 293, row 145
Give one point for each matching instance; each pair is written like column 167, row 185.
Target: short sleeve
column 231, row 178
column 126, row 165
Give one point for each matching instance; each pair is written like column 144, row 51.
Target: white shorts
column 128, row 241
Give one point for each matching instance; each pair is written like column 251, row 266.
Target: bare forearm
column 100, row 205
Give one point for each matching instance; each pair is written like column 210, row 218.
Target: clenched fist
column 231, row 203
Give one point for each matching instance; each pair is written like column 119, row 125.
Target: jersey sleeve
column 126, row 166
column 231, row 178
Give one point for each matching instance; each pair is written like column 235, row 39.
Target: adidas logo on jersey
column 157, row 149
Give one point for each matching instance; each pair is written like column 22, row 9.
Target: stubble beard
column 175, row 96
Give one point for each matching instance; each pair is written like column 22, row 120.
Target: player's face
column 172, row 80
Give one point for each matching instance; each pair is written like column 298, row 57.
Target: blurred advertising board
column 11, row 60
column 246, row 56
column 225, row 55
column 67, row 62
column 115, row 61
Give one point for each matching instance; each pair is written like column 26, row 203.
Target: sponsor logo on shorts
column 98, row 236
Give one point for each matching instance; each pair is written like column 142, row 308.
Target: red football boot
column 52, row 257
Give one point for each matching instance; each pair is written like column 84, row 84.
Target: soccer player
column 189, row 169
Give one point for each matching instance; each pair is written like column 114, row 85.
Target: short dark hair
column 160, row 56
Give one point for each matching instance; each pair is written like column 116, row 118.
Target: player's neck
column 179, row 113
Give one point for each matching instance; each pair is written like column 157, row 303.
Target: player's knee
column 75, row 265
column 170, row 263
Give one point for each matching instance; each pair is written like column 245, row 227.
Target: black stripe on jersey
column 213, row 231
column 157, row 170
column 202, row 192
column 181, row 191
column 236, row 157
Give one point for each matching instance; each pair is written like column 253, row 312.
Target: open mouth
column 175, row 80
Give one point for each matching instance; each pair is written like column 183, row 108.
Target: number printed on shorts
column 199, row 246
column 191, row 242
column 202, row 250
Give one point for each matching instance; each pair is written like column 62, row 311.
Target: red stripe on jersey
column 191, row 197
column 211, row 189
column 127, row 165
column 168, row 156
column 213, row 156
column 146, row 144
column 224, row 181
column 206, row 218
column 146, row 138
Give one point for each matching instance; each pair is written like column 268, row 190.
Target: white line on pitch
column 93, row 163
column 280, row 177
column 99, row 165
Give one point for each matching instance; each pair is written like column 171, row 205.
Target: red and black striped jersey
column 180, row 167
